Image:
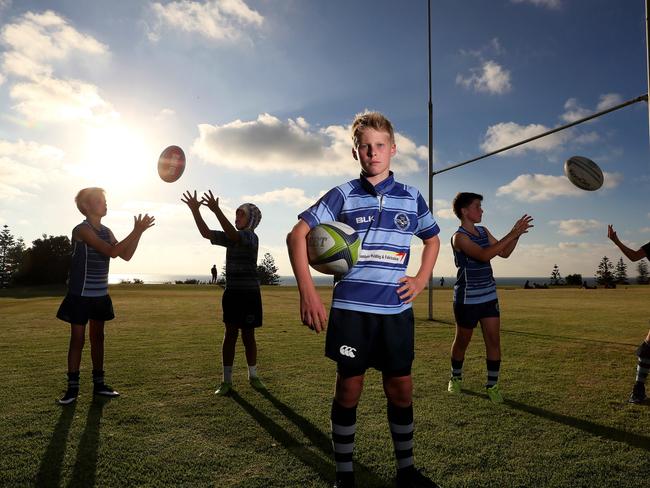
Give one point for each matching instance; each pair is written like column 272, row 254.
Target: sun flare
column 116, row 157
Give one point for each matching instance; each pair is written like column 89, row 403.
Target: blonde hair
column 84, row 195
column 371, row 120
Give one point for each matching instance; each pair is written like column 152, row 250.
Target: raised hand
column 191, row 200
column 522, row 225
column 141, row 223
column 611, row 233
column 209, row 201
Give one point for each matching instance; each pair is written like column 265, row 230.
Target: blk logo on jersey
column 366, row 219
column 402, row 221
column 347, row 351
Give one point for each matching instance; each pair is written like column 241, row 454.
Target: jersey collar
column 381, row 188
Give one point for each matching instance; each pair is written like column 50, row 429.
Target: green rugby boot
column 454, row 385
column 494, row 394
column 224, row 389
column 257, row 383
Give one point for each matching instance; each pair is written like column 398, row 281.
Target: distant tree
column 556, row 277
column 604, row 275
column 221, row 280
column 46, row 262
column 620, row 273
column 268, row 271
column 643, row 277
column 11, row 255
column 573, row 279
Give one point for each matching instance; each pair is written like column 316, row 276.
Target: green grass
column 567, row 370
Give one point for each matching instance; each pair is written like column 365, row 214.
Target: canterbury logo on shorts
column 347, row 351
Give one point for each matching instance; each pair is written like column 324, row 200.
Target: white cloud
column 54, row 100
column 506, row 133
column 270, row 144
column 573, row 111
column 552, row 4
column 35, row 42
column 538, row 187
column 644, row 230
column 608, row 100
column 294, row 197
column 575, row 227
column 443, row 209
column 490, row 77
column 25, row 165
column 586, row 138
column 2, row 79
column 166, row 112
column 216, row 20
column 47, row 37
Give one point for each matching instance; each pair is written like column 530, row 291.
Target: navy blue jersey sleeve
column 427, row 225
column 218, row 238
column 326, row 209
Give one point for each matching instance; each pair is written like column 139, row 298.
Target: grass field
column 567, row 370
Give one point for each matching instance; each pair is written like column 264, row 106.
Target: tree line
column 607, row 274
column 47, row 262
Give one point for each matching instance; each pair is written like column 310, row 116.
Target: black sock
column 493, row 367
column 400, row 420
column 98, row 377
column 73, row 380
column 457, row 368
column 344, row 425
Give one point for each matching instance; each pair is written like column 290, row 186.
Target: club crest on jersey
column 402, row 221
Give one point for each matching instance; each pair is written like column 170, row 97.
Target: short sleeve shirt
column 241, row 259
column 385, row 217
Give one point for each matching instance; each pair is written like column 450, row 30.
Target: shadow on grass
column 566, row 338
column 611, row 433
column 324, row 469
column 49, row 472
column 320, row 440
column 85, row 466
column 34, row 291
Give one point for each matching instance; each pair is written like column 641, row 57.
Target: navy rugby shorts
column 77, row 310
column 242, row 308
column 469, row 315
column 360, row 340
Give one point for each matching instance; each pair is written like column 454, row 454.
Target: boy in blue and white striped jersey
column 371, row 320
column 475, row 291
column 87, row 300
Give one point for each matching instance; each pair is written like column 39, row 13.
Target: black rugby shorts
column 468, row 316
column 76, row 309
column 242, row 308
column 360, row 340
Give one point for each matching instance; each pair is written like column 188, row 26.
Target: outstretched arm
column 503, row 247
column 213, row 204
column 631, row 254
column 124, row 248
column 413, row 285
column 192, row 202
column 312, row 311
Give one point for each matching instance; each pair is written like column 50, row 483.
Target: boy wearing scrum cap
column 242, row 301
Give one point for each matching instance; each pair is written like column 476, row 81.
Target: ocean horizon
column 322, row 280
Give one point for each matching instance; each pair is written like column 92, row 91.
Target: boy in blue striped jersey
column 87, row 300
column 475, row 291
column 371, row 320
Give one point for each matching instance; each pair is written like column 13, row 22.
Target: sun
column 116, row 157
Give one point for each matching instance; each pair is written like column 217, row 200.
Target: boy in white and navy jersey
column 475, row 291
column 87, row 300
column 242, row 300
column 371, row 320
column 638, row 394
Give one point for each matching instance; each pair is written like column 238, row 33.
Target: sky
column 261, row 93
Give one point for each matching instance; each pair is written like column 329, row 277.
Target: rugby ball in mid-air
column 333, row 248
column 583, row 173
column 171, row 164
